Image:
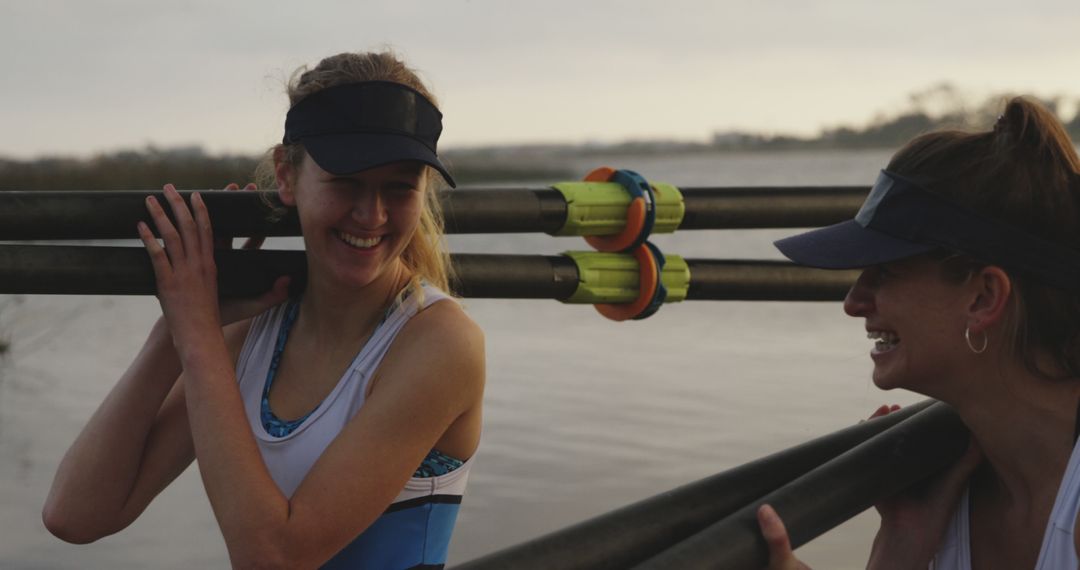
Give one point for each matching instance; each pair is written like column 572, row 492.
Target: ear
column 992, row 288
column 285, row 174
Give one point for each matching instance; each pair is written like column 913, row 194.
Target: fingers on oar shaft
column 254, row 242
column 174, row 246
column 776, row 537
column 202, row 223
column 185, row 222
column 158, row 258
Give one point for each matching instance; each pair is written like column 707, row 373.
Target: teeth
column 883, row 337
column 359, row 241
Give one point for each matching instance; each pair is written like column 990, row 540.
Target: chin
column 908, row 382
column 887, row 382
column 883, row 385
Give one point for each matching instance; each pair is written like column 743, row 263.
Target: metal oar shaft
column 758, row 280
column 556, row 277
column 44, row 215
column 544, row 210
column 92, row 270
column 633, row 533
column 770, row 207
column 880, row 467
column 77, row 270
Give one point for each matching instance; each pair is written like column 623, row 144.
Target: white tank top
column 1058, row 547
column 289, row 458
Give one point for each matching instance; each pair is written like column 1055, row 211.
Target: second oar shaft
column 636, row 532
column 92, row 270
column 880, row 467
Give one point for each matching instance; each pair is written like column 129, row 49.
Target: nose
column 859, row 301
column 369, row 209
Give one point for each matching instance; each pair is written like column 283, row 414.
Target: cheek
column 407, row 209
column 321, row 204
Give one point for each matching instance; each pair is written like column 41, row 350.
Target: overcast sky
column 84, row 76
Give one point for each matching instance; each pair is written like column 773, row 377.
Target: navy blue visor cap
column 356, row 126
column 900, row 219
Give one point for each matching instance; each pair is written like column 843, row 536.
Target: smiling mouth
column 359, row 242
column 884, row 341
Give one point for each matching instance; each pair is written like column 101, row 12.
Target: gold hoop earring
column 985, row 342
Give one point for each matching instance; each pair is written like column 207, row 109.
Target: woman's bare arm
column 433, row 380
column 135, row 443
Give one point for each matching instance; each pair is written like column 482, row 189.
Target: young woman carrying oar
column 332, row 428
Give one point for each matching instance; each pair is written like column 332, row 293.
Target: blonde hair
column 426, row 255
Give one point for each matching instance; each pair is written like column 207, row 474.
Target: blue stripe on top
column 390, row 541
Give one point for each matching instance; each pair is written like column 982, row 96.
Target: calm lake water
column 583, row 415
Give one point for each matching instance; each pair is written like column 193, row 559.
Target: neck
column 1024, row 425
column 333, row 315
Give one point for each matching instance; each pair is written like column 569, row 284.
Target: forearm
column 95, row 479
column 251, row 511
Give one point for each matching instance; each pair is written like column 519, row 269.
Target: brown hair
column 426, row 255
column 1024, row 172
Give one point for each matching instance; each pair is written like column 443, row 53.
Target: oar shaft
column 514, row 276
column 770, row 206
column 94, row 270
column 631, row 534
column 45, row 215
column 880, row 467
column 765, row 280
column 78, row 270
column 504, row 211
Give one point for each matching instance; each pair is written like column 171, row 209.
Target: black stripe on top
column 427, row 500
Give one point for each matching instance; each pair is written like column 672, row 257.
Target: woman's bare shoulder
column 439, row 343
column 445, row 320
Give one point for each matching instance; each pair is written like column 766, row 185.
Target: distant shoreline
column 939, row 107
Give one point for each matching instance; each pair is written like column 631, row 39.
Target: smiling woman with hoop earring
column 970, row 249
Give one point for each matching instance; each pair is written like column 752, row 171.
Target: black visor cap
column 900, row 218
column 353, row 127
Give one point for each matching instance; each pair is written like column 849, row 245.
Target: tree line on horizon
column 940, row 106
column 192, row 168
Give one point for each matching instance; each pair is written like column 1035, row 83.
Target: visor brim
column 847, row 245
column 349, row 153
